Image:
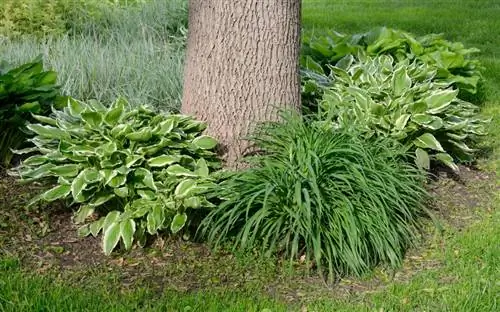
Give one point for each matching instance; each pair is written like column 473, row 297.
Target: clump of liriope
column 141, row 171
column 403, row 101
column 334, row 198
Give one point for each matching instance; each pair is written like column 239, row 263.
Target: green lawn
column 456, row 270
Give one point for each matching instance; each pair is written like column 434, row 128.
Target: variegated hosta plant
column 142, row 171
column 402, row 100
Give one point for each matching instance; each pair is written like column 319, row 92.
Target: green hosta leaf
column 133, row 160
column 106, row 149
column 111, row 238
column 93, row 119
column 102, row 199
column 67, row 171
column 427, row 140
column 146, row 194
column 117, row 181
column 428, row 121
column 184, row 188
column 38, row 172
column 77, row 187
column 111, row 217
column 462, row 146
column 36, row 160
column 401, row 122
column 75, row 107
column 205, row 142
column 147, row 178
column 178, row 171
column 202, row 168
column 446, row 159
column 113, row 116
column 91, row 176
column 83, row 213
column 45, row 120
column 165, row 127
column 96, row 227
column 422, row 159
column 32, row 107
column 151, row 224
column 127, row 230
column 192, row 202
column 178, row 222
column 57, row 192
column 120, row 131
column 48, row 131
column 164, row 160
column 438, row 101
column 83, row 231
column 142, row 135
column 401, row 82
column 122, row 192
column 25, row 150
column 108, row 175
column 418, row 107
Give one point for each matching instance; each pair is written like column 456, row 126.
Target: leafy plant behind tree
column 143, row 172
column 340, row 201
column 402, row 100
column 454, row 64
column 24, row 90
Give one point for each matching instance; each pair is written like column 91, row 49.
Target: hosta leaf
column 446, row 159
column 101, row 199
column 438, row 101
column 401, row 122
column 48, row 131
column 147, row 177
column 57, row 192
column 462, row 146
column 184, row 188
column 127, row 230
column 106, row 149
column 93, row 119
column 178, row 222
column 422, row 159
column 151, row 224
column 205, row 142
column 112, row 116
column 108, row 175
column 45, row 120
column 202, row 168
column 122, row 192
column 428, row 121
column 111, row 217
column 133, row 160
column 418, row 107
column 142, row 135
column 91, row 176
column 83, row 213
column 25, row 150
column 120, row 131
column 178, row 170
column 96, row 227
column 401, row 82
column 111, row 238
column 146, row 194
column 117, row 181
column 36, row 160
column 164, row 127
column 192, row 202
column 162, row 161
column 77, row 187
column 67, row 171
column 427, row 140
column 83, row 231
column 75, row 107
column 38, row 172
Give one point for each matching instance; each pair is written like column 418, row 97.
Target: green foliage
column 24, row 90
column 146, row 171
column 453, row 63
column 342, row 202
column 402, row 100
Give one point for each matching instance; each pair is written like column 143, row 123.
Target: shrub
column 144, row 171
column 341, row 201
column 24, row 90
column 402, row 100
column 454, row 64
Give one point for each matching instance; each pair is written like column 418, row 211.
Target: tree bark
column 242, row 66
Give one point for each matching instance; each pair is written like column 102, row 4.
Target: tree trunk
column 241, row 67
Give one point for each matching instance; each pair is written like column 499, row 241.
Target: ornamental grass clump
column 334, row 198
column 142, row 172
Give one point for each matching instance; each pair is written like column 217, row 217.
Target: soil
column 44, row 238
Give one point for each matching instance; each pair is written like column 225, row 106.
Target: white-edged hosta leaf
column 127, row 230
column 205, row 142
column 108, row 174
column 77, row 187
column 162, row 161
column 428, row 121
column 45, row 119
column 401, row 122
column 113, row 116
column 83, row 231
column 111, row 238
column 164, row 127
column 96, row 227
column 91, row 175
column 25, row 151
column 147, row 177
column 98, row 200
column 122, row 192
column 184, row 188
column 427, row 140
column 35, row 160
column 401, row 82
column 446, row 159
column 67, row 171
column 83, row 213
column 57, row 192
column 133, row 160
column 178, row 222
column 151, row 224
column 147, row 194
column 202, row 168
column 462, row 146
column 117, row 181
column 111, row 217
column 48, row 131
column 142, row 135
column 178, row 171
column 422, row 159
column 75, row 107
column 93, row 119
column 439, row 100
column 192, row 202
